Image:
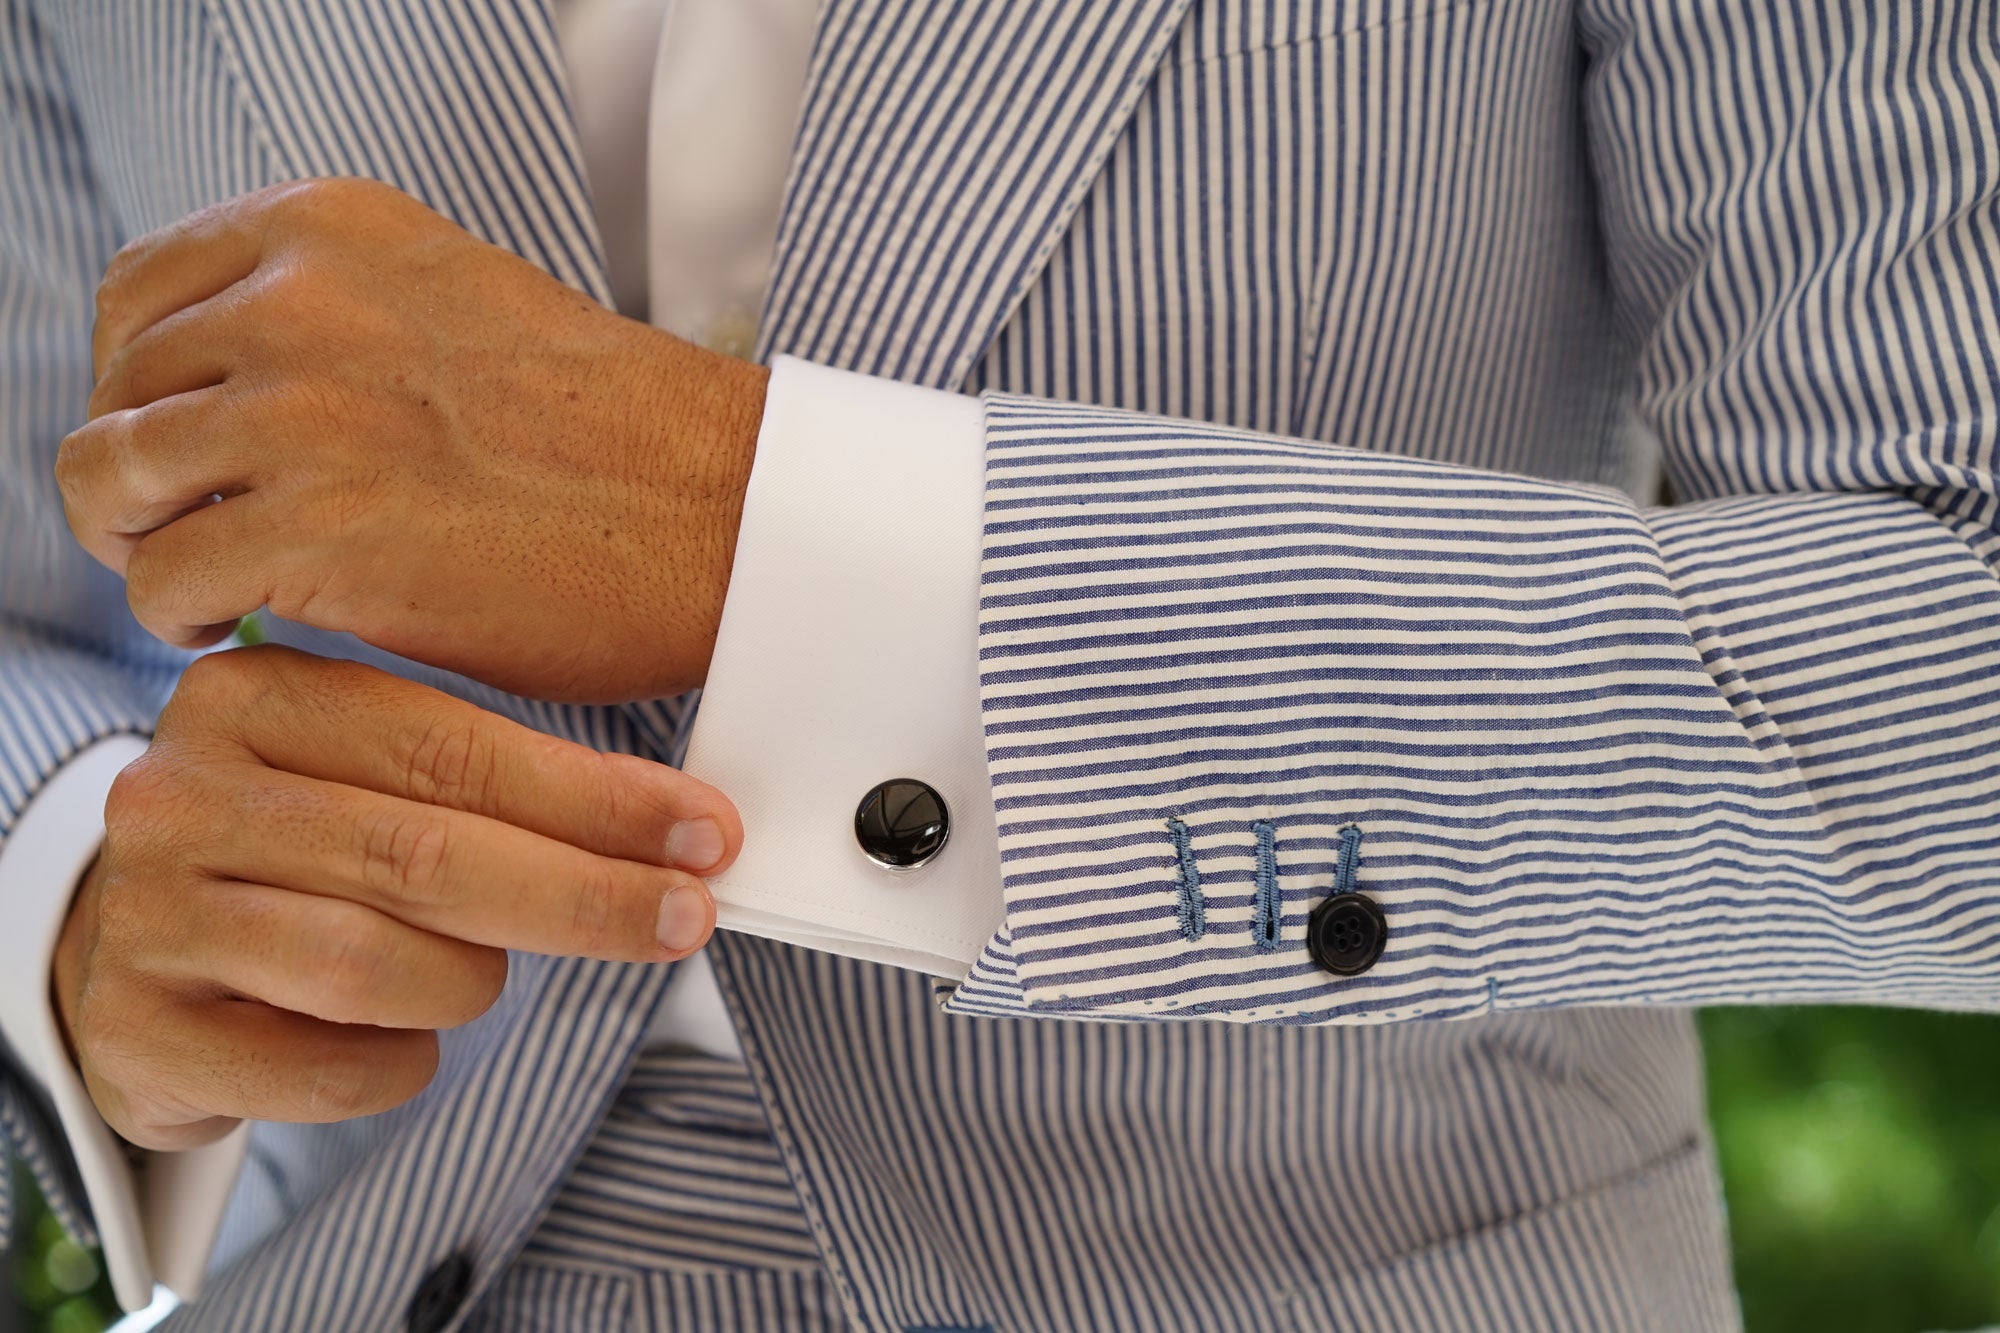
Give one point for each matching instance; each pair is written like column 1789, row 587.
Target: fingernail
column 695, row 844
column 683, row 919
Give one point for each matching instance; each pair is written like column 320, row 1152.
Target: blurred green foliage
column 1860, row 1150
column 59, row 1286
column 1861, row 1154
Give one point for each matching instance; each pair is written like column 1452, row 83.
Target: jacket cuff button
column 1346, row 934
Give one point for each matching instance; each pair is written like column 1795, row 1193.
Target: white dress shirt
column 864, row 504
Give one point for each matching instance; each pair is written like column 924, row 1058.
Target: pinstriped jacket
column 1330, row 346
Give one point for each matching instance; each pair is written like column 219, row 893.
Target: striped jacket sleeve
column 1578, row 751
column 73, row 666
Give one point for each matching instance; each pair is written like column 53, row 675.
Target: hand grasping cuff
column 317, row 865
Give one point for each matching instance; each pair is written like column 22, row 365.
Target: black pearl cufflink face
column 1346, row 934
column 902, row 824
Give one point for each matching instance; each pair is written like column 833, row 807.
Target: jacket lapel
column 943, row 146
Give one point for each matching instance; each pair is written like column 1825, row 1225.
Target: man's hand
column 326, row 399
column 316, row 865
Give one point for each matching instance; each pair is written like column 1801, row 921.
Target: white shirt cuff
column 848, row 655
column 159, row 1221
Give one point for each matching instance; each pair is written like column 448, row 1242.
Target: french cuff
column 156, row 1213
column 847, row 658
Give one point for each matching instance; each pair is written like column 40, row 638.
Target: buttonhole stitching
column 1190, row 906
column 1346, row 860
column 1269, row 906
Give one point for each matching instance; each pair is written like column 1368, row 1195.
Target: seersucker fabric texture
column 1332, row 348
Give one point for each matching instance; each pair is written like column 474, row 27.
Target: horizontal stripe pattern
column 1728, row 752
column 1381, row 658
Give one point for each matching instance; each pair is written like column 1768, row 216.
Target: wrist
column 732, row 417
column 717, row 405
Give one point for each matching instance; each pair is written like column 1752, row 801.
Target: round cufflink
column 902, row 824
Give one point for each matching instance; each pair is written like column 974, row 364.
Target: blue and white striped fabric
column 1603, row 760
column 1739, row 750
column 679, row 1216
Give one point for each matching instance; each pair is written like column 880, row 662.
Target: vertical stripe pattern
column 1054, row 1176
column 679, row 1216
column 1356, row 221
column 941, row 149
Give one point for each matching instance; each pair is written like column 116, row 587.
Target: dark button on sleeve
column 1346, row 933
column 902, row 824
column 440, row 1294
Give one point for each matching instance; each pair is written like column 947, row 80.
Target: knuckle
column 450, row 762
column 293, row 283
column 149, row 585
column 111, row 288
column 595, row 918
column 148, row 573
column 341, row 1090
column 295, row 198
column 141, row 793
column 629, row 798
column 142, row 925
column 403, row 855
column 224, row 678
column 142, row 1084
column 235, row 682
column 108, row 390
column 120, row 912
column 350, row 967
column 319, row 198
column 362, row 1081
column 120, row 1050
column 74, row 457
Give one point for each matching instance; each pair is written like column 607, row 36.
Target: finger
column 192, row 348
column 189, row 582
column 427, row 746
column 129, row 473
column 185, row 1061
column 177, row 266
column 333, row 959
column 453, row 873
